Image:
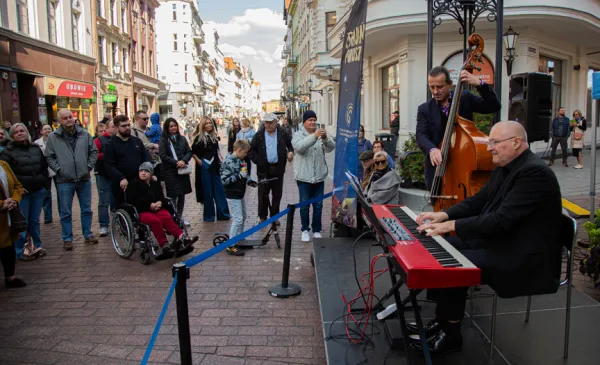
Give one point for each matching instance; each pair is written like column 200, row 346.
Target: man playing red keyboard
column 508, row 229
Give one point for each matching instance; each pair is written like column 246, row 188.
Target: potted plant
column 590, row 264
column 410, row 164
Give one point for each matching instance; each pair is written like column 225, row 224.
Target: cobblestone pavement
column 89, row 306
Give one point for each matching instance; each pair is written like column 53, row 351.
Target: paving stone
column 120, row 352
column 74, row 347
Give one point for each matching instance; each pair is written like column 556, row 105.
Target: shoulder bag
column 18, row 222
column 187, row 170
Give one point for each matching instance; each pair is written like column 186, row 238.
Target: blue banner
column 348, row 118
column 595, row 87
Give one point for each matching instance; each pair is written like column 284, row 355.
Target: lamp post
column 310, row 89
column 117, row 70
column 510, row 40
column 330, row 74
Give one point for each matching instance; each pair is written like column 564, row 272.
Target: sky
column 250, row 31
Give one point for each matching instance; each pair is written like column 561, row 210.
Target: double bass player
column 432, row 115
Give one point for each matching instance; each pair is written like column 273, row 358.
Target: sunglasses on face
column 380, row 162
column 145, row 118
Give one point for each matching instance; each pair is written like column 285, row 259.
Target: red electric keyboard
column 428, row 262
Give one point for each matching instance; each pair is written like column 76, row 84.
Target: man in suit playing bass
column 432, row 115
column 510, row 229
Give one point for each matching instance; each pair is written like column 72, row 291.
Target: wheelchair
column 127, row 233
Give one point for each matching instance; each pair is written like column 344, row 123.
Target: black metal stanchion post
column 183, row 319
column 287, row 289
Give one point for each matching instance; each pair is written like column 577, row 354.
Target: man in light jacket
column 310, row 169
column 72, row 154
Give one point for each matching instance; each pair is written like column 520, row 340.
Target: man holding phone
column 310, row 169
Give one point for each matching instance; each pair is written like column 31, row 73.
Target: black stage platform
column 539, row 342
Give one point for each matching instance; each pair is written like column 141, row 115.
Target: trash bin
column 389, row 143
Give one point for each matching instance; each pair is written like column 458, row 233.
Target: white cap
column 270, row 117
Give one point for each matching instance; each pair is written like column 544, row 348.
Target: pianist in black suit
column 432, row 115
column 508, row 229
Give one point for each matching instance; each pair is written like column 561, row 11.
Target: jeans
column 105, row 200
column 307, row 192
column 161, row 221
column 214, row 194
column 67, row 191
column 563, row 146
column 238, row 213
column 47, row 203
column 31, row 206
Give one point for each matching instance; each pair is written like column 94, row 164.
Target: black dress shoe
column 441, row 343
column 431, row 328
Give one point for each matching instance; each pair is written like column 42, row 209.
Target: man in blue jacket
column 560, row 134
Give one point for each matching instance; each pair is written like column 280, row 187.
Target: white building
column 395, row 58
column 179, row 58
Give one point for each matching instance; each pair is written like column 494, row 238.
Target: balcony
column 292, row 61
column 285, row 52
column 198, row 61
column 198, row 35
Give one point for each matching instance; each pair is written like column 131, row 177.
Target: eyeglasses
column 381, row 162
column 494, row 143
column 145, row 118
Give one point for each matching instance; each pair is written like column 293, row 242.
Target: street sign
column 596, row 85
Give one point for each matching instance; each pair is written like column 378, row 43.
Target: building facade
column 180, row 58
column 395, row 58
column 46, row 60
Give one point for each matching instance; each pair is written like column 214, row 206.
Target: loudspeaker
column 531, row 104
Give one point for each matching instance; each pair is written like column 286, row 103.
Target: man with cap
column 310, row 170
column 270, row 150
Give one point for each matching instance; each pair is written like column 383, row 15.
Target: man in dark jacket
column 395, row 130
column 72, row 154
column 270, row 150
column 560, row 133
column 509, row 230
column 123, row 156
column 432, row 116
column 103, row 184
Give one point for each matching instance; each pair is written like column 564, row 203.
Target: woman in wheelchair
column 147, row 197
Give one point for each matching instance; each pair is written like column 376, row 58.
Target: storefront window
column 390, row 92
column 590, row 102
column 554, row 68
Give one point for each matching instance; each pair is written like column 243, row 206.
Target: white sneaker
column 305, row 236
column 578, row 166
column 186, row 223
column 103, row 231
column 317, row 235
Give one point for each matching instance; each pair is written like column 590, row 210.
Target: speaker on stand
column 530, row 103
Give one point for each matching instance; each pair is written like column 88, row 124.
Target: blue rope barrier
column 161, row 318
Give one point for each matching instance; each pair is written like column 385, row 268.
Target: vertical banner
column 348, row 117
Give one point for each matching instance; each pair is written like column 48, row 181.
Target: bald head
column 508, row 140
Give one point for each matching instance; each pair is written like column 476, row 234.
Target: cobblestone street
column 89, row 306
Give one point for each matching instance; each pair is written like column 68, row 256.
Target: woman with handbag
column 578, row 126
column 29, row 165
column 208, row 158
column 175, row 154
column 11, row 191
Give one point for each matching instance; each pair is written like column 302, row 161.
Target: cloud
column 255, row 40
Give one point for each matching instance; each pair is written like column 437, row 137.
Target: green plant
column 412, row 169
column 590, row 264
column 483, row 122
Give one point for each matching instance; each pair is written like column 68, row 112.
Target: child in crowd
column 235, row 176
column 155, row 130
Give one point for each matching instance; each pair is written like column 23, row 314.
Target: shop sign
column 109, row 98
column 455, row 62
column 112, row 88
column 15, row 96
column 42, row 101
column 68, row 88
column 43, row 114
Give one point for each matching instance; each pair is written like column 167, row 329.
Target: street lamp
column 330, row 73
column 117, row 69
column 510, row 39
column 310, row 84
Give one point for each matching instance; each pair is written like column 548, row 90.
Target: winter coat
column 154, row 133
column 122, row 158
column 208, row 151
column 176, row 184
column 71, row 165
column 385, row 190
column 141, row 195
column 561, row 127
column 28, row 163
column 310, row 165
column 233, row 182
column 258, row 153
column 246, row 134
column 15, row 191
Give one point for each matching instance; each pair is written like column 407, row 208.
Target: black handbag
column 18, row 222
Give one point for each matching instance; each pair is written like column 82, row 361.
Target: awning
column 68, row 88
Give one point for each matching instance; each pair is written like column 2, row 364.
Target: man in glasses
column 123, row 155
column 433, row 115
column 139, row 129
column 509, row 229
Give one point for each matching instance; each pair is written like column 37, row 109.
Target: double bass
column 466, row 164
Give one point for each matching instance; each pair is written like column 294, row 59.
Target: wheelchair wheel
column 145, row 256
column 122, row 233
column 220, row 238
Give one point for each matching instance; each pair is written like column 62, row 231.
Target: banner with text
column 348, row 117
